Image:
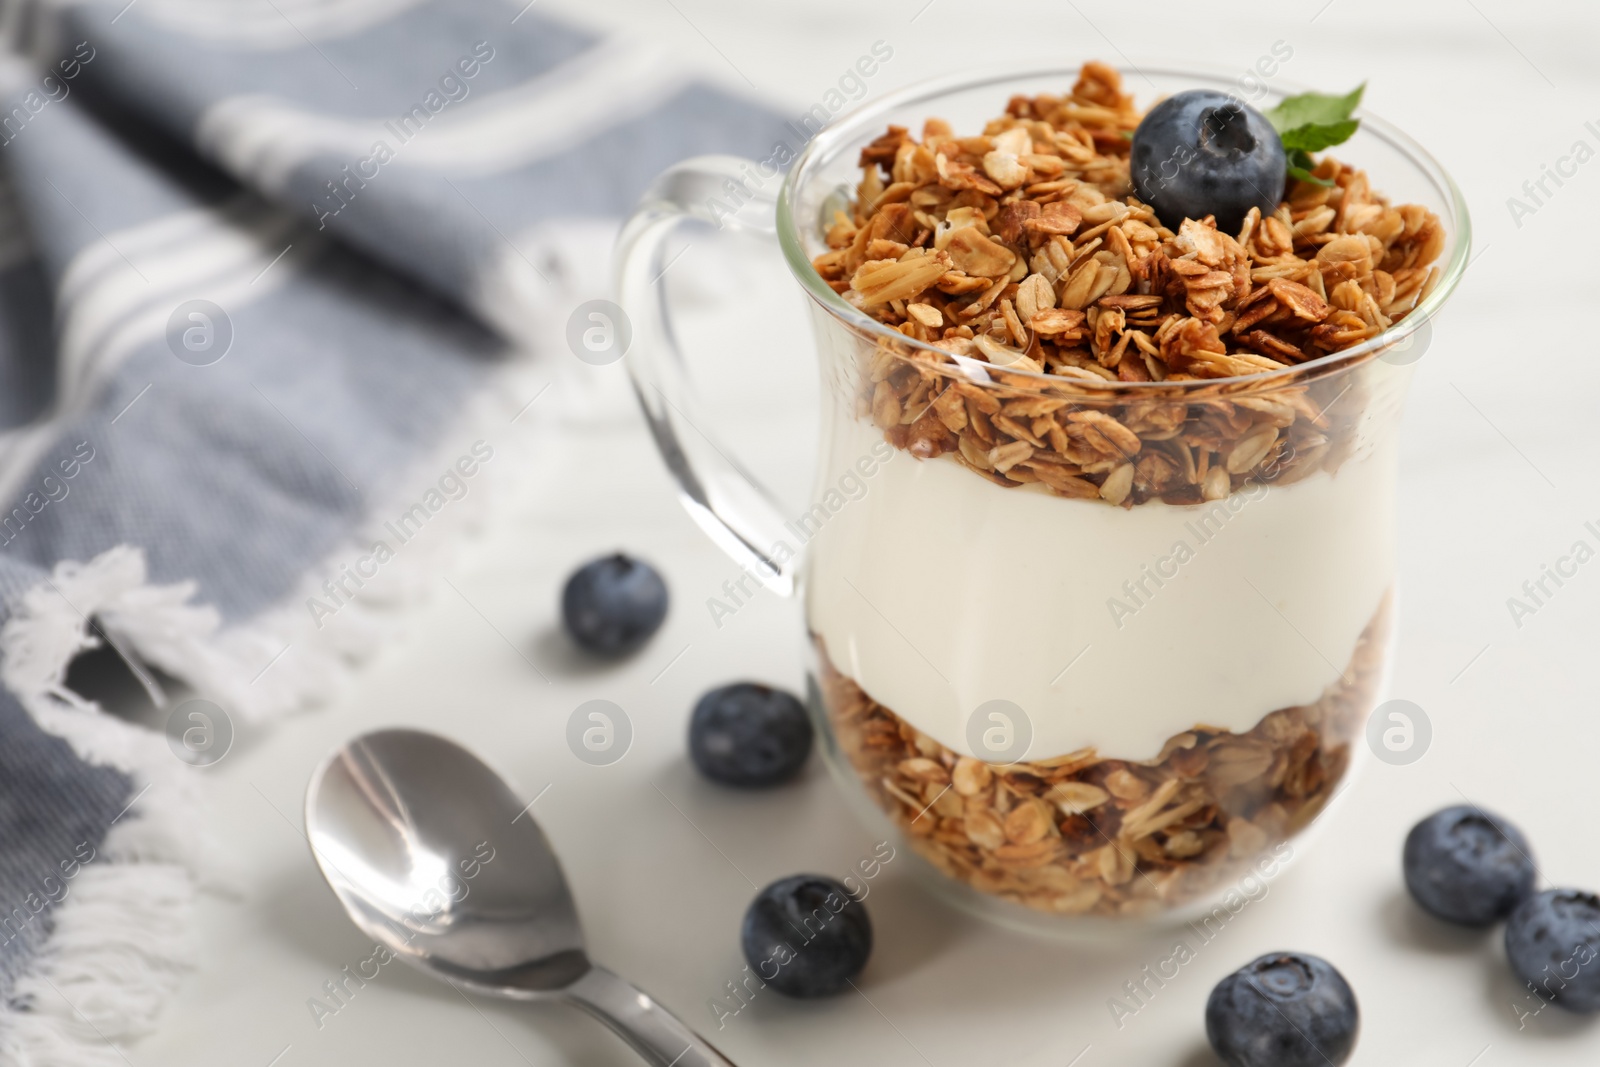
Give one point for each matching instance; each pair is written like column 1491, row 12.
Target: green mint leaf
column 1314, row 137
column 1300, row 174
column 1311, row 122
column 1315, row 109
column 1300, row 167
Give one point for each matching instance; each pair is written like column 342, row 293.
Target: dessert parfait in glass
column 1099, row 571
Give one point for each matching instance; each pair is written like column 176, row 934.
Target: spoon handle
column 653, row 1031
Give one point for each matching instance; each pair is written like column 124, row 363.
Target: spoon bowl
column 437, row 858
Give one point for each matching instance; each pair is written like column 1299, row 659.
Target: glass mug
column 1077, row 714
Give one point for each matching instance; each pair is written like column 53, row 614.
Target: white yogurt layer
column 938, row 591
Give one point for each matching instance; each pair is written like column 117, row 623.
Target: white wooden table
column 1498, row 478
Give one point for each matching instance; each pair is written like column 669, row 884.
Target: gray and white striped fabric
column 267, row 268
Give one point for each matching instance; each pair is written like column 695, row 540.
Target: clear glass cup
column 1080, row 705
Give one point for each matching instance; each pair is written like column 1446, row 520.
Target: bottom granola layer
column 1084, row 835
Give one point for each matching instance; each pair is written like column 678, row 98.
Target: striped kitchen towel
column 279, row 280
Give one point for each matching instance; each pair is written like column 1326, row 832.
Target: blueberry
column 1284, row 1009
column 1205, row 153
column 1552, row 940
column 749, row 735
column 806, row 936
column 1467, row 866
column 612, row 605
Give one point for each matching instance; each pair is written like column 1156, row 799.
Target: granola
column 1083, row 834
column 1024, row 250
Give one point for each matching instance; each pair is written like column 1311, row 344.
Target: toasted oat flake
column 1075, row 798
column 971, row 776
column 1006, row 170
column 974, row 254
column 1003, row 457
column 1055, row 321
column 1251, row 450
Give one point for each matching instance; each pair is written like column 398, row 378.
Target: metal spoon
column 432, row 854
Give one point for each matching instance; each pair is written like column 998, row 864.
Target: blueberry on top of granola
column 1205, row 153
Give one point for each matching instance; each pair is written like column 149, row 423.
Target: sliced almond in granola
column 1216, row 484
column 882, row 281
column 1134, row 830
column 1118, row 484
column 1158, row 800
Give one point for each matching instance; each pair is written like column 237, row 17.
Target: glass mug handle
column 728, row 502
